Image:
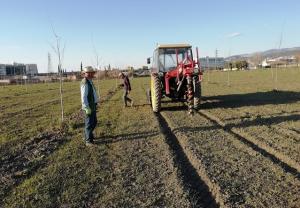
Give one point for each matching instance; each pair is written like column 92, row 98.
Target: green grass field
column 240, row 150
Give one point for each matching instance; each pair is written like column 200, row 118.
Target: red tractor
column 175, row 74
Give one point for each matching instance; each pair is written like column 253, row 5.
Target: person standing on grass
column 89, row 101
column 127, row 89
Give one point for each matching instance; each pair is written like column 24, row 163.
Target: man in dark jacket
column 89, row 101
column 127, row 89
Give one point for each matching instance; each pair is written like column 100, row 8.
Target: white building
column 282, row 60
column 265, row 64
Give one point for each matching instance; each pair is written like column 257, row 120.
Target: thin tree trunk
column 98, row 76
column 60, row 53
column 61, row 97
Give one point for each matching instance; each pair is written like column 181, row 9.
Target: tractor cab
column 165, row 56
column 175, row 74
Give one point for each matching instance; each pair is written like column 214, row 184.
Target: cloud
column 233, row 35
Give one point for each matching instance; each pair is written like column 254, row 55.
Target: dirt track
column 238, row 173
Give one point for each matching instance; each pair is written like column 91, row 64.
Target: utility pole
column 230, row 68
column 216, row 59
column 49, row 64
column 207, row 67
column 279, row 50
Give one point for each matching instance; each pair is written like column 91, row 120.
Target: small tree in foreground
column 59, row 51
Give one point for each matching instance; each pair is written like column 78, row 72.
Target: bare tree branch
column 60, row 55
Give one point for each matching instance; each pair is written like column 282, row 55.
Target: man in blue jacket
column 89, row 101
column 127, row 89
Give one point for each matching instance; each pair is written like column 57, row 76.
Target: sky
column 125, row 33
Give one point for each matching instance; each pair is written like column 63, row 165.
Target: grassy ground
column 130, row 165
column 36, row 108
column 141, row 161
column 252, row 106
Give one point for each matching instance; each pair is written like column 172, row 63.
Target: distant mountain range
column 272, row 53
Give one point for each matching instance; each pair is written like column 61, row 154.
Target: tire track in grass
column 18, row 165
column 202, row 192
column 241, row 176
column 286, row 163
column 283, row 132
column 280, row 138
column 274, row 155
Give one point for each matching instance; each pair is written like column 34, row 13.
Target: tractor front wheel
column 155, row 93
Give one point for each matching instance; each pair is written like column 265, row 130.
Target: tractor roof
column 180, row 45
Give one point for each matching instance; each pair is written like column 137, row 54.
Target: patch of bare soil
column 17, row 166
column 272, row 132
column 143, row 173
column 276, row 156
column 200, row 191
column 243, row 175
column 270, row 120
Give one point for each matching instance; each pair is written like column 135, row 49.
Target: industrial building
column 16, row 69
column 212, row 63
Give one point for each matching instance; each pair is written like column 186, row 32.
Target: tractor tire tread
column 156, row 94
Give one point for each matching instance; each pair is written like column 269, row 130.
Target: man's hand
column 88, row 111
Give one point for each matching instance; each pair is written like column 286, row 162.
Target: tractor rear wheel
column 197, row 93
column 155, row 93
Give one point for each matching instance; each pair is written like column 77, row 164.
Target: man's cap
column 121, row 74
column 88, row 69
